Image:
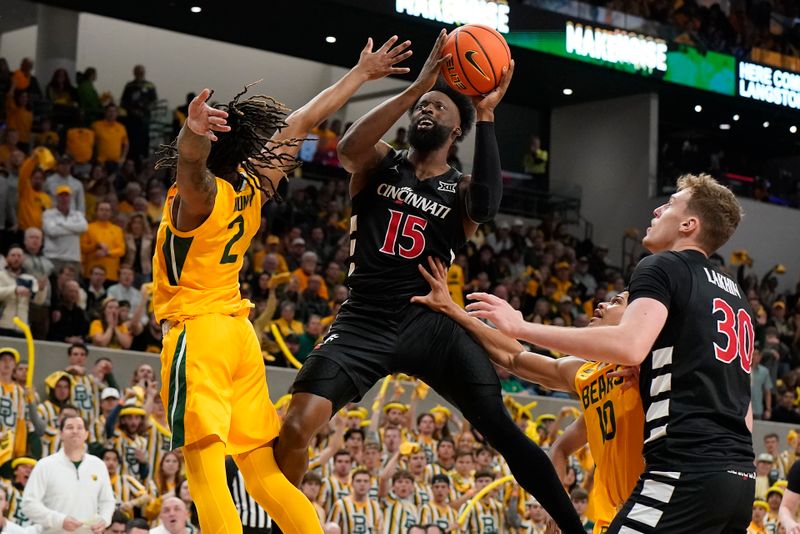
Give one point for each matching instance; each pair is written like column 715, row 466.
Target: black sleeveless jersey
column 695, row 384
column 397, row 222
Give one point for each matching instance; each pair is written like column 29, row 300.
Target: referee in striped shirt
column 254, row 519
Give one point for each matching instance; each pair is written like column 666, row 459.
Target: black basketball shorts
column 670, row 502
column 369, row 340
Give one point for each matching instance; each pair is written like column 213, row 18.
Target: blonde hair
column 715, row 205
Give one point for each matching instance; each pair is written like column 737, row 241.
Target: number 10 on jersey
column 412, row 227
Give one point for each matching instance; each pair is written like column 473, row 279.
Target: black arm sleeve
column 486, row 188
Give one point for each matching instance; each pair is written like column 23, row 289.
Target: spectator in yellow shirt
column 308, row 267
column 23, row 78
column 33, row 200
column 132, row 191
column 455, row 284
column 155, row 201
column 287, row 323
column 110, row 331
column 98, row 187
column 274, row 247
column 111, row 139
column 80, row 145
column 562, row 280
column 8, row 146
column 19, row 115
column 46, row 136
column 103, row 243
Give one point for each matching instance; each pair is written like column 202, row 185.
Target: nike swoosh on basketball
column 468, row 56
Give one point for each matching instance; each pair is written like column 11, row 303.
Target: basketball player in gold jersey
column 612, row 421
column 229, row 161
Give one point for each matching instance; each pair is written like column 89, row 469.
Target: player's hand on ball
column 486, row 104
column 439, row 297
column 381, row 62
column 433, row 65
column 205, row 120
column 498, row 311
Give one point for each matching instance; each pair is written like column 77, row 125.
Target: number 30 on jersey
column 738, row 329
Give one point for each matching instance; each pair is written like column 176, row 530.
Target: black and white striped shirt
column 250, row 512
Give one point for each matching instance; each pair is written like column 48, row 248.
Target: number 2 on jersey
column 412, row 229
column 227, row 257
column 738, row 328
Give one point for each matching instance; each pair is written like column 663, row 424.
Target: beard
column 428, row 140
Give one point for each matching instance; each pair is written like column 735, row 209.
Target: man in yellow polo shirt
column 103, row 243
column 111, row 138
column 80, row 144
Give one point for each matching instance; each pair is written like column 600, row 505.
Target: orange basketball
column 478, row 55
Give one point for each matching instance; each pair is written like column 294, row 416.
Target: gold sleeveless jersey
column 615, row 428
column 197, row 272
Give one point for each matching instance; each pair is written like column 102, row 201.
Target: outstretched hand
column 438, row 299
column 487, row 103
column 498, row 311
column 381, row 62
column 205, row 120
column 433, row 65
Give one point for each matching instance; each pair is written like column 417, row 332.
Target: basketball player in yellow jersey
column 612, row 419
column 229, row 161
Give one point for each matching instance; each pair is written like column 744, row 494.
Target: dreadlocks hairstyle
column 465, row 108
column 248, row 144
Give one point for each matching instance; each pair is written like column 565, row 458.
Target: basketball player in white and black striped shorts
column 690, row 328
column 254, row 519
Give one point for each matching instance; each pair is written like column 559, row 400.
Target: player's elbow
column 348, row 164
column 346, row 150
column 556, row 453
column 631, row 354
column 299, row 122
column 511, row 360
column 351, row 158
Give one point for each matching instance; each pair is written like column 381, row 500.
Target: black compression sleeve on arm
column 486, row 189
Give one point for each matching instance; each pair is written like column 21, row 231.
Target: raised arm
column 627, row 343
column 483, row 191
column 196, row 186
column 372, row 65
column 568, row 443
column 361, row 148
column 386, row 474
column 503, row 350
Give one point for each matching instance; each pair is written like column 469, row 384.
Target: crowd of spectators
column 733, row 27
column 77, row 225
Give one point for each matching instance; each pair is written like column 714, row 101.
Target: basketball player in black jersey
column 408, row 206
column 690, row 328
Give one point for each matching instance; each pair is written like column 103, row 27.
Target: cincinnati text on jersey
column 408, row 196
column 594, row 391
